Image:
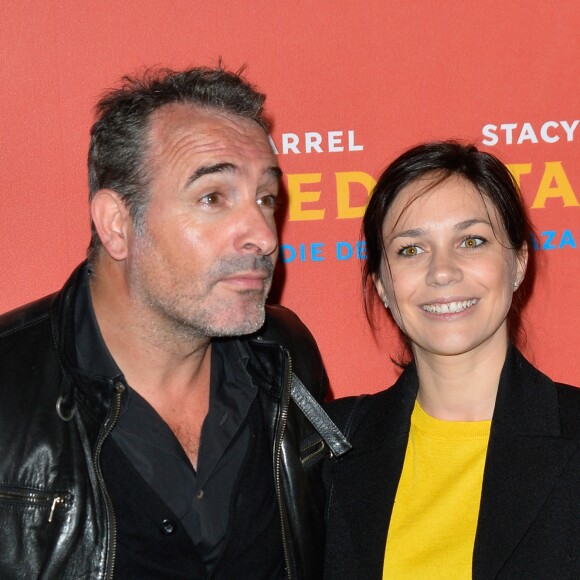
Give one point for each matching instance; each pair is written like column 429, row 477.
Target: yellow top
column 432, row 529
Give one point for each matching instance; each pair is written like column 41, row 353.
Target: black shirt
column 200, row 499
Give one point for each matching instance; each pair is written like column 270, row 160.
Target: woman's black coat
column 529, row 519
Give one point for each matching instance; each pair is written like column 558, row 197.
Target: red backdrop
column 348, row 89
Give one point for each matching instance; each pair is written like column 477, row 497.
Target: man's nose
column 257, row 231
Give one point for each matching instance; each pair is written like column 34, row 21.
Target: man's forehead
column 184, row 123
column 178, row 117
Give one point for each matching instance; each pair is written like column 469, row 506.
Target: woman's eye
column 410, row 251
column 472, row 242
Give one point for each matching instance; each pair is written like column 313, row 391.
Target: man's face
column 203, row 264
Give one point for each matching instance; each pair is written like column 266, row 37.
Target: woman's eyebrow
column 414, row 233
column 420, row 232
column 468, row 223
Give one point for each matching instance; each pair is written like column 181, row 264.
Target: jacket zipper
column 119, row 389
column 278, row 455
column 38, row 498
column 319, row 449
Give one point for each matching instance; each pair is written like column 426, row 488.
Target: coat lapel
column 524, row 460
column 365, row 480
column 363, row 495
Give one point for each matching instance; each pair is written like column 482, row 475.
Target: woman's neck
column 461, row 387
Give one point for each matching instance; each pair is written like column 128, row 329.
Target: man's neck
column 170, row 370
column 153, row 358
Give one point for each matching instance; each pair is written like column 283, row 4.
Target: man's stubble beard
column 182, row 310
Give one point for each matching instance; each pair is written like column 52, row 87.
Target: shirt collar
column 93, row 356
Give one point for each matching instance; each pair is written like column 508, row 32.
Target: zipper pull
column 55, row 502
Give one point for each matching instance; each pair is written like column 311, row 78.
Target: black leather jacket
column 56, row 519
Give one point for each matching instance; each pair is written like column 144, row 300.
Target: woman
column 469, row 466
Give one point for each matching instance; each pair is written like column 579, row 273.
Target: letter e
column 299, row 197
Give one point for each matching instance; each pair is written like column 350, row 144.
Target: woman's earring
column 386, row 304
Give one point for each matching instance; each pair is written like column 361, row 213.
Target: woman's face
column 449, row 275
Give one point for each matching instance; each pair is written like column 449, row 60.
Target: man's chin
column 246, row 325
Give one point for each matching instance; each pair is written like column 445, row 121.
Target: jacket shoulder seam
column 20, row 327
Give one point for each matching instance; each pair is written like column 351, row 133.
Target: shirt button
column 167, row 527
column 199, row 494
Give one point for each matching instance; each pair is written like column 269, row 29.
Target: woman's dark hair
column 441, row 160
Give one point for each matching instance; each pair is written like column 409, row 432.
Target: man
column 154, row 418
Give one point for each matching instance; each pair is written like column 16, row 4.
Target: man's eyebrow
column 209, row 169
column 274, row 171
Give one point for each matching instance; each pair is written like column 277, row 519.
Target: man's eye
column 410, row 251
column 269, row 201
column 211, row 198
column 472, row 242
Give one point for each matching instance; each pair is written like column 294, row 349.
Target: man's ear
column 112, row 222
column 521, row 265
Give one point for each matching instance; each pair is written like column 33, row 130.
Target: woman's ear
column 380, row 287
column 521, row 265
column 112, row 222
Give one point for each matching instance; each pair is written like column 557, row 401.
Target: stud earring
column 386, row 304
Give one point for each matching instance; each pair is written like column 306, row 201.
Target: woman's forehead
column 431, row 198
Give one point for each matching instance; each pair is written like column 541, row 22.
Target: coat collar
column 527, row 402
column 95, row 391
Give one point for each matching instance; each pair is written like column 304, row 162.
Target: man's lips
column 247, row 280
